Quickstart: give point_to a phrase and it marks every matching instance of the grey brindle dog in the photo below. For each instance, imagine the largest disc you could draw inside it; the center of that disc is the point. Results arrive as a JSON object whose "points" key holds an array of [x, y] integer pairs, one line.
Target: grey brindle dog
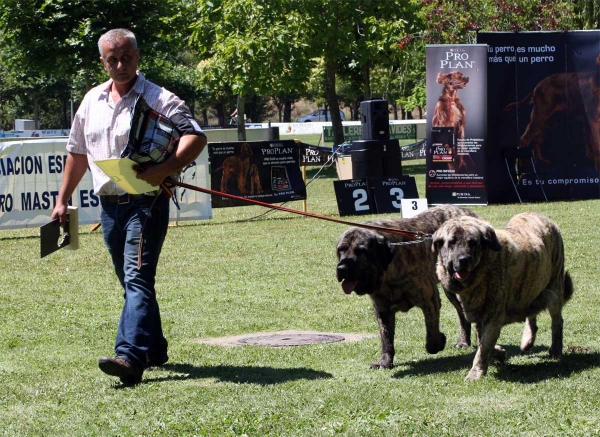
{"points": [[398, 274], [504, 276]]}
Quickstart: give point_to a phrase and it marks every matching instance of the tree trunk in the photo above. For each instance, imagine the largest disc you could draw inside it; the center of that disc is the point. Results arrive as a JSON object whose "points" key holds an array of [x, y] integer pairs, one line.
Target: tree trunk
{"points": [[36, 112], [241, 125], [287, 111], [332, 101], [366, 71], [395, 106], [221, 114], [354, 113]]}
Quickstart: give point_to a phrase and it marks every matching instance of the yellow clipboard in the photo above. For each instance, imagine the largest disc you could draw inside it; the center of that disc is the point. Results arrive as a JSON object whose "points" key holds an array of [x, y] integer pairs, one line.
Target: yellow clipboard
{"points": [[121, 171]]}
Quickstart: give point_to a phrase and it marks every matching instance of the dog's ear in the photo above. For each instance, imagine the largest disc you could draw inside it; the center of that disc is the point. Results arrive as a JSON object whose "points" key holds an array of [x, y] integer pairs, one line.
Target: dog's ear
{"points": [[491, 240], [436, 242], [385, 251], [440, 77]]}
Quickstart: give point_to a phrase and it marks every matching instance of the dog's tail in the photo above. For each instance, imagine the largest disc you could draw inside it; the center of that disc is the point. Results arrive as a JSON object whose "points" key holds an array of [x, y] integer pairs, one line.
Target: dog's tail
{"points": [[568, 288], [519, 103]]}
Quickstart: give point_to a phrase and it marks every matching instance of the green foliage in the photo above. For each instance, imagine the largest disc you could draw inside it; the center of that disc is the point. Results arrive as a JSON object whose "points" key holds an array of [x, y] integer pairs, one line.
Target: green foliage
{"points": [[457, 21], [251, 45], [53, 44], [587, 14], [211, 51]]}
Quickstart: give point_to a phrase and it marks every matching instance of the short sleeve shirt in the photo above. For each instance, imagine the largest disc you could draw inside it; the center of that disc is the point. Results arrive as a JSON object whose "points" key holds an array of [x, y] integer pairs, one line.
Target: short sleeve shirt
{"points": [[101, 128]]}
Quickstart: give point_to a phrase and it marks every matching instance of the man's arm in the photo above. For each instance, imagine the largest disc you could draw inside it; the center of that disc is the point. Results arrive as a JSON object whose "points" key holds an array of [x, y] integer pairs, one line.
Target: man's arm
{"points": [[188, 149], [75, 167]]}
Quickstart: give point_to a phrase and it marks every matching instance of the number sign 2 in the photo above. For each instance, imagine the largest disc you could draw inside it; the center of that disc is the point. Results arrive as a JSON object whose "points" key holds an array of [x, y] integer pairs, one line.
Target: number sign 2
{"points": [[353, 197]]}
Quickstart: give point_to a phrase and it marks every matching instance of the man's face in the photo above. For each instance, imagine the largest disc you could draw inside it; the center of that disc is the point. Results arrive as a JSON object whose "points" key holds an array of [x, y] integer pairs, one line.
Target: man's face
{"points": [[120, 61]]}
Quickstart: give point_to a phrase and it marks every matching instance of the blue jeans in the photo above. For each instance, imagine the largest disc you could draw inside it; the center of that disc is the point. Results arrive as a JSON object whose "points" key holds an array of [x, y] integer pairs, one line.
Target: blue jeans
{"points": [[140, 330]]}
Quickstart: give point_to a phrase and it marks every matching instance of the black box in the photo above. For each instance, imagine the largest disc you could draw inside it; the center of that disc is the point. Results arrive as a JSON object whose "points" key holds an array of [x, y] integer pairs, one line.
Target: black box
{"points": [[375, 120], [376, 158]]}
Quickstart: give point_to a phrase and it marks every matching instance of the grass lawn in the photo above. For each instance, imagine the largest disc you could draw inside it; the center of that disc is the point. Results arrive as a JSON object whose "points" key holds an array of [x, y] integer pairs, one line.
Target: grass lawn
{"points": [[233, 275]]}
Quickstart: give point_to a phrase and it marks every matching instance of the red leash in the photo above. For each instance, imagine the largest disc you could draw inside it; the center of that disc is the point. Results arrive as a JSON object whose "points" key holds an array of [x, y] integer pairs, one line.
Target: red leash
{"points": [[408, 234]]}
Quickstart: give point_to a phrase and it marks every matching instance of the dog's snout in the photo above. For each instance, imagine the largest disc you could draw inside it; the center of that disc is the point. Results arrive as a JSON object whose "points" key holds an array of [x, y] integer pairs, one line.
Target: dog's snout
{"points": [[461, 262], [342, 270]]}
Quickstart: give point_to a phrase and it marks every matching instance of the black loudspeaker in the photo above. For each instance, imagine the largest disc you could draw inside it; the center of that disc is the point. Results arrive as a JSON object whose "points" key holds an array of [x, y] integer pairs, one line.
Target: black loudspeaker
{"points": [[375, 120], [376, 158]]}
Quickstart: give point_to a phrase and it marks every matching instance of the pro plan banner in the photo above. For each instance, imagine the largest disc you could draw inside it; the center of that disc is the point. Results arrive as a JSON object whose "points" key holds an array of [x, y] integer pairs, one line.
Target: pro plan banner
{"points": [[268, 171], [456, 124], [543, 98], [313, 155]]}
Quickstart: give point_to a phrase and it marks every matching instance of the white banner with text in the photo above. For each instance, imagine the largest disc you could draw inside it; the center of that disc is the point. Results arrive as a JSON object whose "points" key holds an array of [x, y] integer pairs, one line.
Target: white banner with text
{"points": [[31, 172]]}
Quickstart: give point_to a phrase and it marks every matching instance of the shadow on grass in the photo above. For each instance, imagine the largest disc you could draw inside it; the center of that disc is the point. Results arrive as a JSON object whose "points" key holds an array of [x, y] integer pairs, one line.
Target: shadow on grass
{"points": [[240, 374], [539, 367]]}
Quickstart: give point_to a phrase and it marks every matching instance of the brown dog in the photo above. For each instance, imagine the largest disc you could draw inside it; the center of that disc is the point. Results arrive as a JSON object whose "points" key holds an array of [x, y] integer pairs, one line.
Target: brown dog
{"points": [[578, 93], [449, 110], [504, 276], [238, 165], [398, 277]]}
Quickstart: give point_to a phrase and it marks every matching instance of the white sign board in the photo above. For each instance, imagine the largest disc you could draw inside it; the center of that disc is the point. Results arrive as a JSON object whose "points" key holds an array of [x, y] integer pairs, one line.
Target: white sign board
{"points": [[412, 207], [31, 172]]}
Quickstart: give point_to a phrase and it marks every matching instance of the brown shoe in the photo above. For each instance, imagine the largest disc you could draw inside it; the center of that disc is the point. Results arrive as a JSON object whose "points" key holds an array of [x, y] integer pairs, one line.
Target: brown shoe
{"points": [[122, 368]]}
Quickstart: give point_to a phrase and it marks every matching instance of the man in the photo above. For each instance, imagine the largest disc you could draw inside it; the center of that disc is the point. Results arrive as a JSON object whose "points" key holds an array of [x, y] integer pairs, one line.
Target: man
{"points": [[100, 130]]}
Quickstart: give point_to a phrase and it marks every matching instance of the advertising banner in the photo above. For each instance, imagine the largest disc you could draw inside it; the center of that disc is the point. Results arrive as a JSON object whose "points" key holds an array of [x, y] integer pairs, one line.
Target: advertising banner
{"points": [[543, 98], [414, 151], [35, 133], [314, 156], [399, 131], [456, 124], [268, 171], [31, 172]]}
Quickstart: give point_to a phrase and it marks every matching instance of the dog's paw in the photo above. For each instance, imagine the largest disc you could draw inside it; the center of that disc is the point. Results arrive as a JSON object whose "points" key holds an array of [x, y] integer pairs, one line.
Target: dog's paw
{"points": [[555, 352], [382, 364], [462, 343], [499, 353], [436, 345], [474, 375], [377, 366]]}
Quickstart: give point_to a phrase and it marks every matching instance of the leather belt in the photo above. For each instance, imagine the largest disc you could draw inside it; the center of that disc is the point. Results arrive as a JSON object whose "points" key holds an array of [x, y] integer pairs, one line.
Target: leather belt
{"points": [[125, 198]]}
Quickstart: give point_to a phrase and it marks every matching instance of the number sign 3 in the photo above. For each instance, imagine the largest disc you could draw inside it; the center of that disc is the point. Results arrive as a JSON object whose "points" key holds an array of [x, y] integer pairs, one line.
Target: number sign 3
{"points": [[389, 192]]}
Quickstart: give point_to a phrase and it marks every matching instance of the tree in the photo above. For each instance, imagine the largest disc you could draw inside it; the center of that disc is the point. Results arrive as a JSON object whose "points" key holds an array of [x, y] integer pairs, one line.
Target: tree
{"points": [[251, 46], [587, 14], [47, 40], [352, 38], [458, 21]]}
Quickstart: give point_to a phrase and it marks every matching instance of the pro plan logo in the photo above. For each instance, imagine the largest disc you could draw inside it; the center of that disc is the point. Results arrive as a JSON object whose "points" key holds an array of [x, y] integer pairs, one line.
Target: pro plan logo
{"points": [[432, 173]]}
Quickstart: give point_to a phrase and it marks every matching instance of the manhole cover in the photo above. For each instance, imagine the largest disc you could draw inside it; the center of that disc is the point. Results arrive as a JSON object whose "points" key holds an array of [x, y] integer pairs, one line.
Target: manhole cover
{"points": [[299, 339]]}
